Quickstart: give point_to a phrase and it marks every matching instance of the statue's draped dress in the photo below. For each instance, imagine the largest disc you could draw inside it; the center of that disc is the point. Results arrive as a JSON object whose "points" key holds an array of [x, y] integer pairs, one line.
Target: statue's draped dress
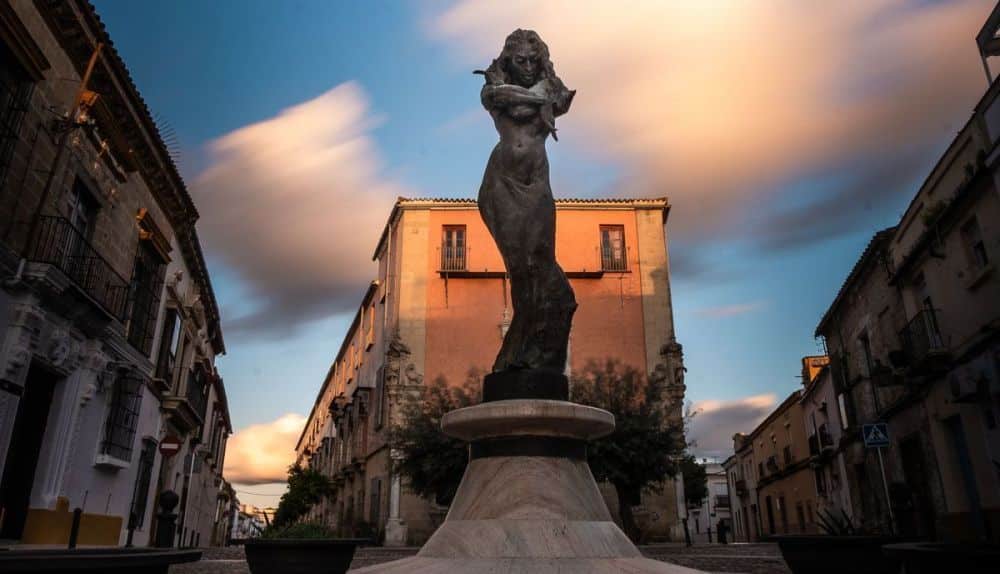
{"points": [[515, 201]]}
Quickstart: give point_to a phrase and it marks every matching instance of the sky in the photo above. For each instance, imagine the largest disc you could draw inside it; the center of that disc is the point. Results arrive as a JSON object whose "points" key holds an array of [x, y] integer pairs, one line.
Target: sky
{"points": [[784, 133]]}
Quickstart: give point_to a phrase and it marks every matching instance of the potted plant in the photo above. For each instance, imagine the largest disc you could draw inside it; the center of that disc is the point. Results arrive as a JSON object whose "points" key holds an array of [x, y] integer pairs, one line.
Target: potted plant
{"points": [[302, 548], [842, 547]]}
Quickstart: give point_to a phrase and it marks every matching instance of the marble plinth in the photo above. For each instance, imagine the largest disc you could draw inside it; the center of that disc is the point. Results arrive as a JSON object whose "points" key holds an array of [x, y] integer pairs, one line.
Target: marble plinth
{"points": [[528, 502]]}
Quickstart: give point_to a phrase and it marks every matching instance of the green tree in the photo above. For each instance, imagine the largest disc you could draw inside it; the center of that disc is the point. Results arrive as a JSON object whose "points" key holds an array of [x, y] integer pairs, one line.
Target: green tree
{"points": [[644, 449], [432, 462], [306, 487], [695, 481]]}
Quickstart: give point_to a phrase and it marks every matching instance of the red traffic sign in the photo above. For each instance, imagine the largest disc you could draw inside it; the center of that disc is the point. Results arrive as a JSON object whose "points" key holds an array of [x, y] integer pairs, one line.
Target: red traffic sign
{"points": [[169, 446]]}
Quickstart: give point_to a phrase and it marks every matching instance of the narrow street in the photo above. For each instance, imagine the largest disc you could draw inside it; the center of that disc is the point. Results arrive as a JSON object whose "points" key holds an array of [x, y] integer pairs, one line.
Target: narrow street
{"points": [[742, 558]]}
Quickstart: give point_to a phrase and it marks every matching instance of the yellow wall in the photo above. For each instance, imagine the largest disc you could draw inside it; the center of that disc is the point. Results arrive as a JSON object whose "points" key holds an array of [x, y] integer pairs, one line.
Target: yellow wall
{"points": [[44, 526]]}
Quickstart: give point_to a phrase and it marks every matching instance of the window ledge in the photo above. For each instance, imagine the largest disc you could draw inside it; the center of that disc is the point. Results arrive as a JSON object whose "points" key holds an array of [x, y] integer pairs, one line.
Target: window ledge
{"points": [[108, 461], [978, 276]]}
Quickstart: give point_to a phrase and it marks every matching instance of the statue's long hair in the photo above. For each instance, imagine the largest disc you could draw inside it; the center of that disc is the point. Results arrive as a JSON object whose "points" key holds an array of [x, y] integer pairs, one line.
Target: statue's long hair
{"points": [[497, 72]]}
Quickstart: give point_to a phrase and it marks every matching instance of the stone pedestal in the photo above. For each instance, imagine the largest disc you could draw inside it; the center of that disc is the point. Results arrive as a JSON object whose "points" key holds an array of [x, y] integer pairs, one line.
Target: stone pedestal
{"points": [[528, 501]]}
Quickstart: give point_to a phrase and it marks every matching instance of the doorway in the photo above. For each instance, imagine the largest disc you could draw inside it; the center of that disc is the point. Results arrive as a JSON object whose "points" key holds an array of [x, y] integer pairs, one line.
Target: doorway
{"points": [[25, 446], [921, 520]]}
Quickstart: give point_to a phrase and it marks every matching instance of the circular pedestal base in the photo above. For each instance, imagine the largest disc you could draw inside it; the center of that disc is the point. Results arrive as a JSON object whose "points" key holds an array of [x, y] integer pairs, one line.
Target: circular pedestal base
{"points": [[528, 502], [422, 565]]}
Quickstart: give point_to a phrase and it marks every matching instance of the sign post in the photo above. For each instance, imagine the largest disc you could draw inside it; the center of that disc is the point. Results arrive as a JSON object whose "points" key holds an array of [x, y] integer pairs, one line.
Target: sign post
{"points": [[876, 435], [169, 446]]}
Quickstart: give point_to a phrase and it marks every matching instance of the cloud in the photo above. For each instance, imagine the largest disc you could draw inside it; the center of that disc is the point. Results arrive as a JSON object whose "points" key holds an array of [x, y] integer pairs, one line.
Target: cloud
{"points": [[733, 310], [294, 204], [722, 105], [262, 453], [715, 423]]}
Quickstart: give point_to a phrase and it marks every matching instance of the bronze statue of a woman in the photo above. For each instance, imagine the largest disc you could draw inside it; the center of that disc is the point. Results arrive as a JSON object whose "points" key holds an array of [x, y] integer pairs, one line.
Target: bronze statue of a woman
{"points": [[524, 96]]}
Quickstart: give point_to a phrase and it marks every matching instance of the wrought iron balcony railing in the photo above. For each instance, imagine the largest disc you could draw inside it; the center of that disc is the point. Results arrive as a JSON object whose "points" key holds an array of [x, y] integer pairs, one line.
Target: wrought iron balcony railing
{"points": [[613, 260], [59, 244], [453, 257], [921, 336]]}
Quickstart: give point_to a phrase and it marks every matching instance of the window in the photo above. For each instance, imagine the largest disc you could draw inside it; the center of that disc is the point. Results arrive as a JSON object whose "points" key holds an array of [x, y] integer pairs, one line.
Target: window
{"points": [[147, 283], [787, 451], [82, 210], [15, 94], [613, 248], [845, 409], [453, 248], [866, 353], [169, 341], [197, 390], [375, 510], [820, 481], [975, 248], [381, 394], [123, 417], [370, 337], [137, 513]]}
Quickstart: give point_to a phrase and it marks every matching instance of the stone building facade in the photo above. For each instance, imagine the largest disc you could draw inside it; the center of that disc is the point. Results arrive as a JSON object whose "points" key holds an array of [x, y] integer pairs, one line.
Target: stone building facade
{"points": [[109, 327], [714, 511], [771, 476], [439, 308], [914, 341]]}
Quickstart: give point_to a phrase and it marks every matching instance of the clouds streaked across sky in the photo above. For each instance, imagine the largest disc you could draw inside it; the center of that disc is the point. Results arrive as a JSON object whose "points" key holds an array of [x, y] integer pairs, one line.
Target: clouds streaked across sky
{"points": [[784, 133]]}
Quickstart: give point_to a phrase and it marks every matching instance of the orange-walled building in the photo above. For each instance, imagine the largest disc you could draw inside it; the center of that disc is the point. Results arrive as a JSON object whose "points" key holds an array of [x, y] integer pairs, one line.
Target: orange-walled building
{"points": [[439, 309]]}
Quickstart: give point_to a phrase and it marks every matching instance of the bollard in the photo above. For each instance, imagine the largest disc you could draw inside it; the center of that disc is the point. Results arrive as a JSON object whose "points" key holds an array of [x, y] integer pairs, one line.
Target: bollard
{"points": [[166, 519], [74, 529]]}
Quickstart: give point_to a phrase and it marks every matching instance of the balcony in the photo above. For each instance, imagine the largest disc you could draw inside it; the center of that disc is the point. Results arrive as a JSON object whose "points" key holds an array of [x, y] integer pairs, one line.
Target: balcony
{"points": [[923, 346], [613, 261], [59, 244], [453, 257], [722, 501], [187, 411]]}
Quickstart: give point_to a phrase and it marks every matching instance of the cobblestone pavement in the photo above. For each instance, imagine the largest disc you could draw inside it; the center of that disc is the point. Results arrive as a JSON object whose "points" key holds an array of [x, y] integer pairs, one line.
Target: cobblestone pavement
{"points": [[744, 558]]}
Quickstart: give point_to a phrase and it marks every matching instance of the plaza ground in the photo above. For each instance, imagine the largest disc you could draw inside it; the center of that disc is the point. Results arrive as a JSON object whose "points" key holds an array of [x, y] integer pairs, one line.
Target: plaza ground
{"points": [[743, 558]]}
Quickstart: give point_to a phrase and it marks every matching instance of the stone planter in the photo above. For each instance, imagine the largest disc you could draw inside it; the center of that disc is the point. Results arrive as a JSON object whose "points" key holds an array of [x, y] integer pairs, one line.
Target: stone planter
{"points": [[295, 556], [926, 557], [95, 560], [821, 554]]}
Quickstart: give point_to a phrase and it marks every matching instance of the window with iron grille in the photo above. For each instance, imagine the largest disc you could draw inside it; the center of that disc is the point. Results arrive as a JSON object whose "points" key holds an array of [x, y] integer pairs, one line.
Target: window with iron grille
{"points": [[15, 94], [123, 417], [453, 248], [137, 513], [613, 248], [147, 283]]}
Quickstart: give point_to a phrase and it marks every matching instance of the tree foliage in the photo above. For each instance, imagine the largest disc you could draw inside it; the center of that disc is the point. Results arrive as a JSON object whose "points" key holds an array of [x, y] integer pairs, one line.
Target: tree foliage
{"points": [[695, 481], [644, 449], [432, 462], [306, 487], [642, 452]]}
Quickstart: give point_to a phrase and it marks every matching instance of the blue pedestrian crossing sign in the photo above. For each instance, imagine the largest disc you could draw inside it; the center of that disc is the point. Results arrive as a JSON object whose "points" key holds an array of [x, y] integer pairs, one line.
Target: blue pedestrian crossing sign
{"points": [[876, 435]]}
